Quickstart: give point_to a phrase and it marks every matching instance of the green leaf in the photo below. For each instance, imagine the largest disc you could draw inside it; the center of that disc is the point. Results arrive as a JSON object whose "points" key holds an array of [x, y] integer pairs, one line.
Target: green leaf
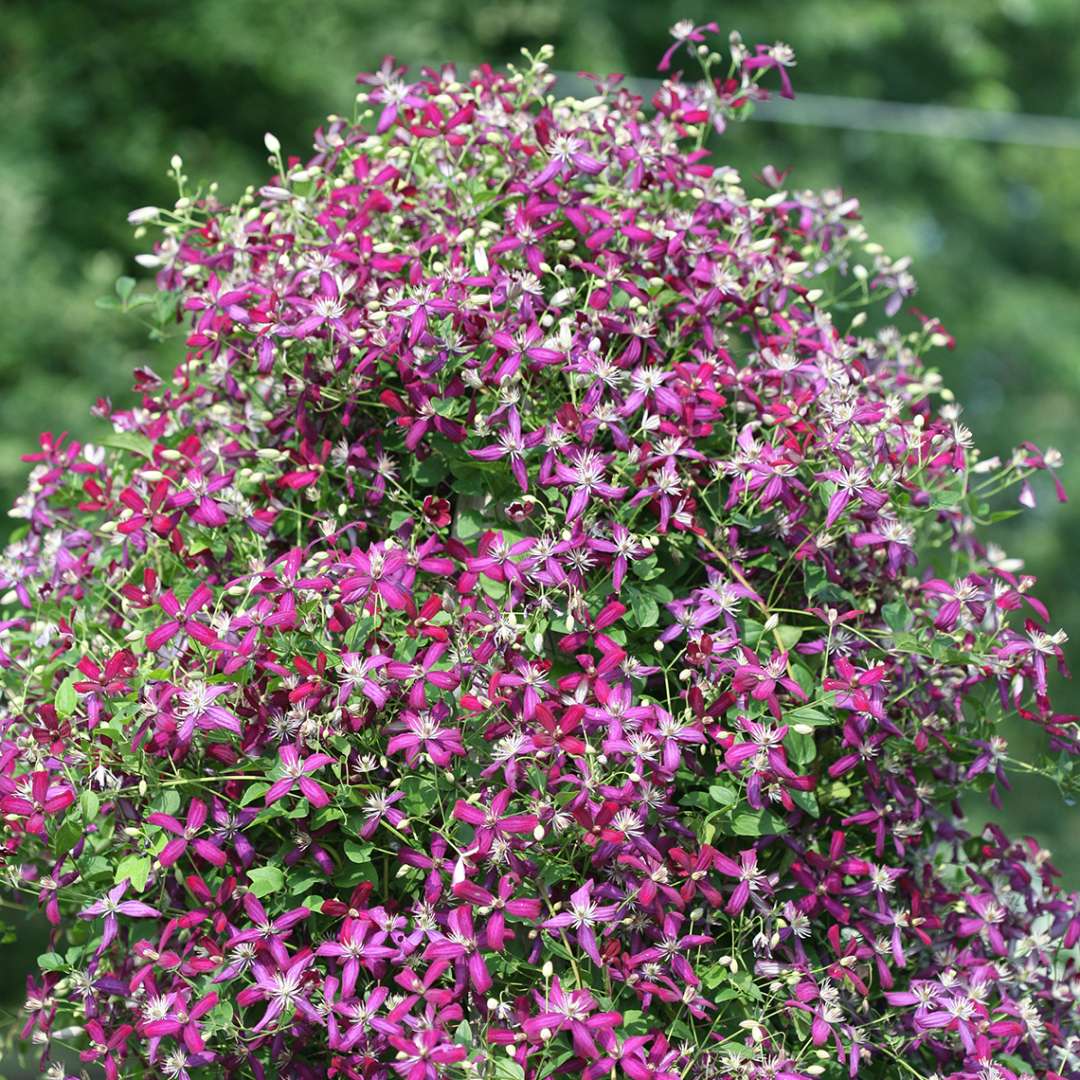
{"points": [[756, 823], [136, 868], [357, 851], [469, 524], [129, 440], [66, 698], [808, 715], [506, 1069], [495, 589], [265, 880], [806, 801], [788, 636], [256, 791], [51, 961], [125, 286], [897, 616], [89, 804], [646, 610], [722, 794], [947, 498], [68, 835], [304, 883], [647, 568], [800, 748], [430, 471], [219, 1017]]}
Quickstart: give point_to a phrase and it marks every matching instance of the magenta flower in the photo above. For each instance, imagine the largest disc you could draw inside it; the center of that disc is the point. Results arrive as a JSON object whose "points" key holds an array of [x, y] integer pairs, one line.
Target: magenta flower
{"points": [[425, 734], [182, 1019], [104, 1046], [493, 821], [685, 32], [510, 436], [533, 680], [268, 934], [295, 771], [422, 1056], [495, 557], [325, 308], [391, 92], [567, 154], [183, 619], [359, 945], [461, 946], [761, 681], [377, 571], [34, 798], [423, 671], [573, 1011], [194, 497], [500, 904], [986, 919], [185, 834]]}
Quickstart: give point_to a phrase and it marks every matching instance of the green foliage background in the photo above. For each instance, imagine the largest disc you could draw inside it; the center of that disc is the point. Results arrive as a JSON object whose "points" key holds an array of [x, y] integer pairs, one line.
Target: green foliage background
{"points": [[96, 97]]}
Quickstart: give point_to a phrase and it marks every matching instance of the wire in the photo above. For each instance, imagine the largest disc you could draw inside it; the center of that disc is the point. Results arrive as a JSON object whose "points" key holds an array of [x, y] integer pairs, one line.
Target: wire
{"points": [[889, 117]]}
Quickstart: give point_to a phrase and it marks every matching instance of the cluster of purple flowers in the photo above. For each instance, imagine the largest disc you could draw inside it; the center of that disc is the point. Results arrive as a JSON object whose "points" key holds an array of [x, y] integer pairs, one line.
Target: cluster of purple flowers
{"points": [[533, 633]]}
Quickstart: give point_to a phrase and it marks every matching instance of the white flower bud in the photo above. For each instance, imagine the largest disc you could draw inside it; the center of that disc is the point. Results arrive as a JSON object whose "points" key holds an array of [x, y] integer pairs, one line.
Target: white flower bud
{"points": [[143, 215]]}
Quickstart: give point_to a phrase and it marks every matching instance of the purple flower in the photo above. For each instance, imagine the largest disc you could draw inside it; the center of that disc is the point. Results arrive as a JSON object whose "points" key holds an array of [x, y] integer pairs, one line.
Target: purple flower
{"points": [[751, 880], [582, 915], [623, 547], [112, 905], [379, 807], [511, 443], [358, 671], [195, 708], [268, 933], [282, 987], [584, 475]]}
